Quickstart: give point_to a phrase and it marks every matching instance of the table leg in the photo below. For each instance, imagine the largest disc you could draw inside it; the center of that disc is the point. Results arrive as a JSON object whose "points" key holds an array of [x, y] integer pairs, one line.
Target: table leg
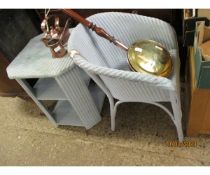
{"points": [[79, 96]]}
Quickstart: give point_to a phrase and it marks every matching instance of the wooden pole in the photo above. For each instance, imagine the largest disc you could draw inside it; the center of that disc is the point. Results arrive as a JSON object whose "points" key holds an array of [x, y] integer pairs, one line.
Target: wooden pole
{"points": [[101, 32]]}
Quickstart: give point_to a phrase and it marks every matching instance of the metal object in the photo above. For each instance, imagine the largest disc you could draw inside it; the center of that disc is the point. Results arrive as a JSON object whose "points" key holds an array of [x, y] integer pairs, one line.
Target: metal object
{"points": [[56, 48], [145, 56], [151, 57], [55, 36], [57, 43], [65, 33]]}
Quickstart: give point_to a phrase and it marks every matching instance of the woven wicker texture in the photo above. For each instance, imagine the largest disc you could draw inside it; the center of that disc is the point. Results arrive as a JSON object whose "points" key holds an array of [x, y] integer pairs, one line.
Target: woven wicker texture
{"points": [[100, 58], [35, 61]]}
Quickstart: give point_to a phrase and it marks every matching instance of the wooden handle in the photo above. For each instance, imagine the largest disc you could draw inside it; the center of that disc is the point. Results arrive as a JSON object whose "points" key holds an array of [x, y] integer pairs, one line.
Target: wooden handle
{"points": [[101, 32], [77, 17]]}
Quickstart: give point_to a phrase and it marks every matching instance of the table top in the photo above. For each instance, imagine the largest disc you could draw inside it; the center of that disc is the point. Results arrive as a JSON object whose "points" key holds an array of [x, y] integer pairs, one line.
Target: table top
{"points": [[35, 61]]}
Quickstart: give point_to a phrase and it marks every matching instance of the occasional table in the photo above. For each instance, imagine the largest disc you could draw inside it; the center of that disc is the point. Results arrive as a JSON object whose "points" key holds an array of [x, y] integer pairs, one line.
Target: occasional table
{"points": [[78, 100]]}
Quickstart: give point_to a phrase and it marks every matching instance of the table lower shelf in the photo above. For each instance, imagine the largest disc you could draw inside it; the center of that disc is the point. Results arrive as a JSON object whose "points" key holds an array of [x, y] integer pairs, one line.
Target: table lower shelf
{"points": [[64, 114], [48, 88]]}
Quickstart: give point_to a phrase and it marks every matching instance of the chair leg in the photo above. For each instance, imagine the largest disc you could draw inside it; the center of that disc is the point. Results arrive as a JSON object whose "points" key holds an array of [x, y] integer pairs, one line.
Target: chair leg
{"points": [[179, 130], [112, 112], [178, 124], [176, 106]]}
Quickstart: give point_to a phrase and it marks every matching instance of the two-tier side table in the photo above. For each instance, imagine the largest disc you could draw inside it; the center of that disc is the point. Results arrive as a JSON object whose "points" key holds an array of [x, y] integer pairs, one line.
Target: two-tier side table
{"points": [[79, 101]]}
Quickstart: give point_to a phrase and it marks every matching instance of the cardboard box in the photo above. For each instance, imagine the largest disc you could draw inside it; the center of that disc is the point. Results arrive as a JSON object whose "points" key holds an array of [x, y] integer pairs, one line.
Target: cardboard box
{"points": [[202, 66], [199, 111], [202, 71]]}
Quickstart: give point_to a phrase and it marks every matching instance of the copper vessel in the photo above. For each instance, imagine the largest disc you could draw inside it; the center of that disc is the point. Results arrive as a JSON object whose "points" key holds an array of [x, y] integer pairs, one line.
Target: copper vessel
{"points": [[55, 37]]}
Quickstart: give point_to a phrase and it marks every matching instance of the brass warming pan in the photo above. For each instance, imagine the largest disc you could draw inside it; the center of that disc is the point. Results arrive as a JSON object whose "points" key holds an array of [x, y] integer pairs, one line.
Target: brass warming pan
{"points": [[146, 56]]}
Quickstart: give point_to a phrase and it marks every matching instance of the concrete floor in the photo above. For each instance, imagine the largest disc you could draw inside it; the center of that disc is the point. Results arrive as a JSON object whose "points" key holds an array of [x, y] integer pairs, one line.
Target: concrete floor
{"points": [[28, 138]]}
